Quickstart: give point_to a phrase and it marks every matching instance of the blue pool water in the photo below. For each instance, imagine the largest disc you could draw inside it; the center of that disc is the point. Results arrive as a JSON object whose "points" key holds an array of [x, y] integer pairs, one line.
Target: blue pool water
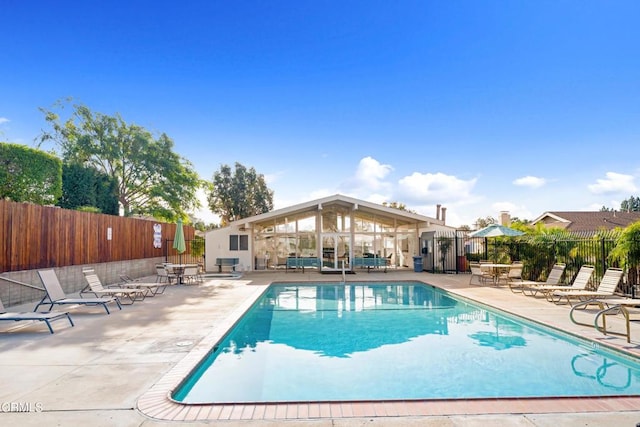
{"points": [[371, 341]]}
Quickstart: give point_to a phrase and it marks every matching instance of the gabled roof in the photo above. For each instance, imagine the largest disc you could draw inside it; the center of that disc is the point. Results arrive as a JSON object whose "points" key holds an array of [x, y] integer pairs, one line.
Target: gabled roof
{"points": [[338, 199], [587, 221]]}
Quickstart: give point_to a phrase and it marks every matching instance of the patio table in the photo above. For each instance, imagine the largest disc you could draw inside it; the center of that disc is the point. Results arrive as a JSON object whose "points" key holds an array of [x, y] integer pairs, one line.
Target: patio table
{"points": [[178, 270], [495, 270]]}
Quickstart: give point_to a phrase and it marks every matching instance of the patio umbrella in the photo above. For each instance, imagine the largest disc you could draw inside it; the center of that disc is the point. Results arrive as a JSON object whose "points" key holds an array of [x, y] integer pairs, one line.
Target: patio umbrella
{"points": [[178, 240], [496, 230]]}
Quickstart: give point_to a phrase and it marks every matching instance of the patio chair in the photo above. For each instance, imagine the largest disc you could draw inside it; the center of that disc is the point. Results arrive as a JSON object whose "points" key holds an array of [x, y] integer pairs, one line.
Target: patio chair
{"points": [[56, 296], [512, 277], [580, 282], [553, 280], [487, 271], [606, 289], [478, 273], [190, 274], [163, 275], [200, 272], [95, 287], [46, 317]]}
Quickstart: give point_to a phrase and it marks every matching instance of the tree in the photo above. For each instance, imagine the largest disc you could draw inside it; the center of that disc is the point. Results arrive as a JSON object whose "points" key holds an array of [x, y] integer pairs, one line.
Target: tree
{"points": [[483, 222], [239, 194], [632, 204], [29, 175], [84, 187], [627, 252], [444, 244], [397, 205], [151, 178]]}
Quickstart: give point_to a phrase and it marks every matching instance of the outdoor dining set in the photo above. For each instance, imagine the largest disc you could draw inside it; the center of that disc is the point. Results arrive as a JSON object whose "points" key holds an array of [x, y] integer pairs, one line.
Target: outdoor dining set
{"points": [[181, 273]]}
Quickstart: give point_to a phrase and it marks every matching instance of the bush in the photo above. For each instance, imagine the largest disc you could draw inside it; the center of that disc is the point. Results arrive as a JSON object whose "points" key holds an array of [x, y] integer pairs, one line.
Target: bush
{"points": [[29, 175]]}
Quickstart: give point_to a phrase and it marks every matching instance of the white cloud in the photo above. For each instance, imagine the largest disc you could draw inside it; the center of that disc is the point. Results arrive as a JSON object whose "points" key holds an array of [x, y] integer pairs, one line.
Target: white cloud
{"points": [[4, 120], [614, 183], [530, 181], [371, 172], [435, 188], [368, 178], [203, 213], [270, 178]]}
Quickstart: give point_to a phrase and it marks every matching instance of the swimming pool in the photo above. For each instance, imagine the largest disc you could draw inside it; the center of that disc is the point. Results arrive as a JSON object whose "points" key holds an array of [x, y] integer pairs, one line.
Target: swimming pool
{"points": [[403, 340]]}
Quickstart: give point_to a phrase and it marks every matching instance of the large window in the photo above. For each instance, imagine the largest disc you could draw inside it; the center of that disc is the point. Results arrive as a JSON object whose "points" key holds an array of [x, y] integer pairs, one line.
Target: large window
{"points": [[336, 219], [334, 233]]}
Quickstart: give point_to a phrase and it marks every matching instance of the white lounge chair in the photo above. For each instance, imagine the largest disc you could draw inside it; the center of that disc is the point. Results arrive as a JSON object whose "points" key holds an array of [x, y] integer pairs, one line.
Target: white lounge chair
{"points": [[553, 281], [56, 296], [46, 317], [154, 288], [95, 287], [580, 283], [606, 289]]}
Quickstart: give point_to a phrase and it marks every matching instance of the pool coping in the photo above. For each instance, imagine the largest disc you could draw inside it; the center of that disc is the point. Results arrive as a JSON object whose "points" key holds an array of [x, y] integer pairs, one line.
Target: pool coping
{"points": [[158, 404]]}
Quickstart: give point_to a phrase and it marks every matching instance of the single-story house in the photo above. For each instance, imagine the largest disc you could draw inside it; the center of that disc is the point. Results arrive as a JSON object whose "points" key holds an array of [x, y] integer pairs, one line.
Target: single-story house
{"points": [[581, 221], [331, 233]]}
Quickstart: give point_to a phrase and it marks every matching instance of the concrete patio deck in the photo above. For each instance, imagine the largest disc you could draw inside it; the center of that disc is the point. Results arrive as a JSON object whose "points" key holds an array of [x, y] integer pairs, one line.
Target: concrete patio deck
{"points": [[114, 369]]}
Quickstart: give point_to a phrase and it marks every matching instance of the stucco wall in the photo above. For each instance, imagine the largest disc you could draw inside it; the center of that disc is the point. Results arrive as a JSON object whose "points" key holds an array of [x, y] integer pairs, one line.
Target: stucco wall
{"points": [[217, 246]]}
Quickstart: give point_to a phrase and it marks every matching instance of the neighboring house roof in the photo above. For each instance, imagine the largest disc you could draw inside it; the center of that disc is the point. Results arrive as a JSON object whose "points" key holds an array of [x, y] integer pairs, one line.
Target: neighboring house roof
{"points": [[372, 208], [587, 221]]}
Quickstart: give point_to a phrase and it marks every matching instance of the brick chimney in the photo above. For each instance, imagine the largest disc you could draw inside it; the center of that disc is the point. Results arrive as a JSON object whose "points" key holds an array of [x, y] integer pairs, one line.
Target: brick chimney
{"points": [[444, 215], [505, 218], [438, 211]]}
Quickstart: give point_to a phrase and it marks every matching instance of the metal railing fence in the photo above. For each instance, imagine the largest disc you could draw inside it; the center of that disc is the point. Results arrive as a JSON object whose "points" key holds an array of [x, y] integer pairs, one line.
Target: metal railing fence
{"points": [[453, 251]]}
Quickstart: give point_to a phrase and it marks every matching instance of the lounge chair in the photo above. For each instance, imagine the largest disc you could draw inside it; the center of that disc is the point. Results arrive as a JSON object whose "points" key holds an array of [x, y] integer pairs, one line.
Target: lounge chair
{"points": [[56, 296], [606, 289], [47, 317], [553, 280], [580, 282], [95, 287], [154, 288]]}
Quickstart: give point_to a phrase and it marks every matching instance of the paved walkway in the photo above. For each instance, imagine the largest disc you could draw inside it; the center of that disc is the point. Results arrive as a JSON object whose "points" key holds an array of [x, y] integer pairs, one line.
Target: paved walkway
{"points": [[103, 370]]}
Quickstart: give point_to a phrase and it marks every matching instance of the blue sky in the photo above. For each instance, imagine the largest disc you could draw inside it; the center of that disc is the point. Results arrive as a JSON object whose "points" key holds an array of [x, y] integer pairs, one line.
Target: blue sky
{"points": [[480, 106]]}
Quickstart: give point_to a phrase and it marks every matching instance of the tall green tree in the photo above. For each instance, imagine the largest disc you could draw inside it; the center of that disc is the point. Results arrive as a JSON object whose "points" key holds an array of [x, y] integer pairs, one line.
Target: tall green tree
{"points": [[632, 204], [239, 194], [627, 252], [85, 186], [151, 178]]}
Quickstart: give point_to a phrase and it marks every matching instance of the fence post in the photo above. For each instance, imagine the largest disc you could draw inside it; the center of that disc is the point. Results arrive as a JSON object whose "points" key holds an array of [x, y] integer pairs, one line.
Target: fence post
{"points": [[455, 251], [602, 249]]}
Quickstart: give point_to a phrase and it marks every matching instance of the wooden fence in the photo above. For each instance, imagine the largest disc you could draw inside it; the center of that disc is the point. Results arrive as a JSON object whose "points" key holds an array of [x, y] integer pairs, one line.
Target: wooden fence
{"points": [[34, 236]]}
